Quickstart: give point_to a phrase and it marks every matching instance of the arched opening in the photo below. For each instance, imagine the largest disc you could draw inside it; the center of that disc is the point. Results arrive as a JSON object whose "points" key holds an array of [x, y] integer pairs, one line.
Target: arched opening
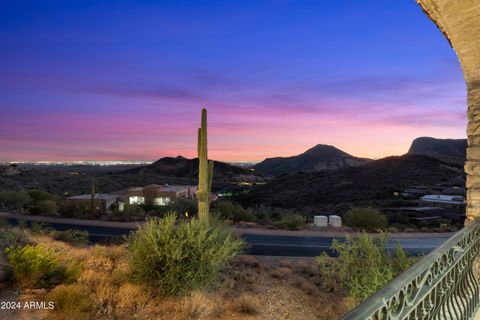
{"points": [[459, 22]]}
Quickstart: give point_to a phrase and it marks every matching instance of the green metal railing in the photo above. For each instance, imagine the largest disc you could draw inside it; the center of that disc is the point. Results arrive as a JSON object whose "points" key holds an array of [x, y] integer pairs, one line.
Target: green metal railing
{"points": [[442, 285]]}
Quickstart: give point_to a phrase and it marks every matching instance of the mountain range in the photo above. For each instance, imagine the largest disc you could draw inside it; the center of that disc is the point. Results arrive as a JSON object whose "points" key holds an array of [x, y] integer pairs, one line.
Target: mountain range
{"points": [[321, 157], [322, 174], [372, 181], [326, 157]]}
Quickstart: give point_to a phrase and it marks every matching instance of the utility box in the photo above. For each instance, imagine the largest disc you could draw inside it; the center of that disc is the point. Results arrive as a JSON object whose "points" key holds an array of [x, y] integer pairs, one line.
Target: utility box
{"points": [[334, 221], [320, 221]]}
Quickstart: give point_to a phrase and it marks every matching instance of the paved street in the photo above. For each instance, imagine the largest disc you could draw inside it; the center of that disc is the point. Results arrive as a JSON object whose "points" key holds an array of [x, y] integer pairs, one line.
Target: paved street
{"points": [[267, 244]]}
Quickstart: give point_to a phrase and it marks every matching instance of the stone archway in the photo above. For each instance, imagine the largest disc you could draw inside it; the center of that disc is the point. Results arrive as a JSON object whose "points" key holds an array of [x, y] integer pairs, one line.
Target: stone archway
{"points": [[459, 20]]}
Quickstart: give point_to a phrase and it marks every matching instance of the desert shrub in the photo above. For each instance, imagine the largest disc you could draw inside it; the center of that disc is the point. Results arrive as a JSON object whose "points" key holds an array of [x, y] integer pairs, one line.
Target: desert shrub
{"points": [[39, 227], [307, 268], [39, 267], [291, 222], [244, 261], [179, 258], [39, 195], [235, 212], [131, 300], [129, 210], [72, 301], [398, 226], [364, 265], [14, 199], [70, 209], [247, 304], [328, 274], [280, 272], [74, 237], [3, 223], [242, 214], [400, 260], [181, 206], [366, 219], [22, 224], [225, 209], [264, 214], [133, 210], [306, 286], [197, 305], [397, 218], [45, 207], [392, 230], [13, 237]]}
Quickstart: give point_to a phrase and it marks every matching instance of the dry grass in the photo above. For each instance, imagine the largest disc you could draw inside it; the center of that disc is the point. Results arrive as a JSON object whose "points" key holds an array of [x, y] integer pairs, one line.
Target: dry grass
{"points": [[280, 273], [200, 305], [247, 304], [72, 302], [248, 289], [244, 261], [306, 286]]}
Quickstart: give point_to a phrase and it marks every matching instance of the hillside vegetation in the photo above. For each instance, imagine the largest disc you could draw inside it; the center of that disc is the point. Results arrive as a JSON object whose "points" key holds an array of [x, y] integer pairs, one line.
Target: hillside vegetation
{"points": [[375, 180]]}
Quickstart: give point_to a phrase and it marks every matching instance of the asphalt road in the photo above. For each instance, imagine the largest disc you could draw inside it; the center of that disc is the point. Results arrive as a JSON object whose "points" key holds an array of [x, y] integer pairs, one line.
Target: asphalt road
{"points": [[271, 245]]}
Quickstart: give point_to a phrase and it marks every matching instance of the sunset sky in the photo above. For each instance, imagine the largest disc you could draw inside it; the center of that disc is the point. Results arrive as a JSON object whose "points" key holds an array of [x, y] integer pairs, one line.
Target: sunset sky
{"points": [[126, 80]]}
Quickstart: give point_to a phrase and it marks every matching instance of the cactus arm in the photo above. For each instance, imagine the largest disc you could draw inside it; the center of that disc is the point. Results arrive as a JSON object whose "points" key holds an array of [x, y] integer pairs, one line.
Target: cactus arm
{"points": [[210, 176]]}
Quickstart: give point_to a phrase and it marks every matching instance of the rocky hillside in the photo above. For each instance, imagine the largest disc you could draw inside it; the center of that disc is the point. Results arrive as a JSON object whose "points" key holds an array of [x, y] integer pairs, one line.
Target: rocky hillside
{"points": [[375, 180], [321, 157], [188, 168], [447, 150]]}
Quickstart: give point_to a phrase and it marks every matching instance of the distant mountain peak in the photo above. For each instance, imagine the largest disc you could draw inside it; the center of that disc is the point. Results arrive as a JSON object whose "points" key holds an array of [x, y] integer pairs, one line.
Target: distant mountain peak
{"points": [[318, 158], [447, 150], [326, 149]]}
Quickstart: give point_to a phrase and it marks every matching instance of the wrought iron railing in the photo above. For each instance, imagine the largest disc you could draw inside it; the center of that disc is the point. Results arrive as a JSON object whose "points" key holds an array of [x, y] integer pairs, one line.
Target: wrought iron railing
{"points": [[442, 285]]}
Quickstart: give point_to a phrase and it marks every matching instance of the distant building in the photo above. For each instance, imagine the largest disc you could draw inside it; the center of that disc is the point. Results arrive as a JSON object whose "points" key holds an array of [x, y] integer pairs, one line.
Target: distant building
{"points": [[415, 192], [453, 202], [102, 201], [160, 195], [427, 213]]}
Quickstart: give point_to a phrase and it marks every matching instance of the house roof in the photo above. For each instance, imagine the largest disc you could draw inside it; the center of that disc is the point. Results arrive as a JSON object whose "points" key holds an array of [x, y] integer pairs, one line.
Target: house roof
{"points": [[97, 196]]}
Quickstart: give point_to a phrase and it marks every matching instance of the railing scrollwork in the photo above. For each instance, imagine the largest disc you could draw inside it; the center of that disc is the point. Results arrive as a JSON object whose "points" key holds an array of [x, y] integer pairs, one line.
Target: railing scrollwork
{"points": [[442, 285]]}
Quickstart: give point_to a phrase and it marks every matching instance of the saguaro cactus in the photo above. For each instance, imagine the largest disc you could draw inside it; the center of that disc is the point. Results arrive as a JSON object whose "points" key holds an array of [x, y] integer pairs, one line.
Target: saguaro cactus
{"points": [[205, 171]]}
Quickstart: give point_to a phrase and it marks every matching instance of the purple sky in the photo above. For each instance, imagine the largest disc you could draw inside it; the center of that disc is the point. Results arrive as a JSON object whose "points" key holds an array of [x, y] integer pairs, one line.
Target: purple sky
{"points": [[109, 80]]}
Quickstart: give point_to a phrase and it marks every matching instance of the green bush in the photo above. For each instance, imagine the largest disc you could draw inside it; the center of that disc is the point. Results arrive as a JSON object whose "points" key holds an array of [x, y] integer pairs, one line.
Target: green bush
{"points": [[365, 219], [129, 210], [13, 237], [46, 207], [39, 227], [364, 265], [14, 199], [39, 267], [181, 206], [39, 195], [179, 258], [3, 223], [231, 211], [291, 222], [70, 209], [74, 237]]}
